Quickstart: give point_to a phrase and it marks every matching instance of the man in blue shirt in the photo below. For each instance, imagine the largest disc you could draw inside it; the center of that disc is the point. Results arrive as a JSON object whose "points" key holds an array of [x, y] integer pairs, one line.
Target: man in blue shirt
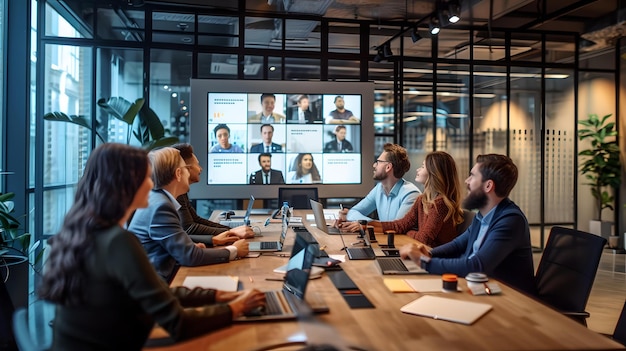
{"points": [[392, 197], [498, 240]]}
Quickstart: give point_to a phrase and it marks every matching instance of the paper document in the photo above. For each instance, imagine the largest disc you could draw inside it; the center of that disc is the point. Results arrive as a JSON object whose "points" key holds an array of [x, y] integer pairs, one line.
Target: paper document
{"points": [[219, 282], [451, 310]]}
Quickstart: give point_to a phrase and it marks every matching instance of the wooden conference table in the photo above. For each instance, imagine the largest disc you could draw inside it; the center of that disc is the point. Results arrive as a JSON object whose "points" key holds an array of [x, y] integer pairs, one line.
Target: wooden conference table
{"points": [[516, 321]]}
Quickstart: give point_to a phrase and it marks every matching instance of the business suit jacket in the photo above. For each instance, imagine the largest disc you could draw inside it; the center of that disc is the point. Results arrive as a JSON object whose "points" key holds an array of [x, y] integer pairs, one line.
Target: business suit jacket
{"points": [[260, 148], [159, 230], [309, 116], [276, 177], [200, 230], [124, 297], [332, 146], [278, 118], [505, 253]]}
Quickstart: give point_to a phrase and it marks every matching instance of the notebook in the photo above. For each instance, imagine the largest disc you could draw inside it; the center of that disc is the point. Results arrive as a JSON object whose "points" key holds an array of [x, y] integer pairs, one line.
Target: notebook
{"points": [[451, 310], [246, 217], [289, 302], [218, 282], [271, 246], [320, 220], [396, 265]]}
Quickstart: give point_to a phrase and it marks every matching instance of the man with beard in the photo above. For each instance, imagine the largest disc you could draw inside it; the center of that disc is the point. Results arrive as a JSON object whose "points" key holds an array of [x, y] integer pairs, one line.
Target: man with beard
{"points": [[392, 197], [498, 240]]}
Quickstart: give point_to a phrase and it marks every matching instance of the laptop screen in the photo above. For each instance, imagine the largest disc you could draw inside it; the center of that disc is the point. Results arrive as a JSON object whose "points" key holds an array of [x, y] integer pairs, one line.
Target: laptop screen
{"points": [[246, 217], [318, 214], [296, 279]]}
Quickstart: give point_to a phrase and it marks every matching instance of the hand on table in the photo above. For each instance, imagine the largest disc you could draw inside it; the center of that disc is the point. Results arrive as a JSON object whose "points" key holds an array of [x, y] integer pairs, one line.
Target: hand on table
{"points": [[247, 301], [242, 232], [242, 247], [225, 238]]}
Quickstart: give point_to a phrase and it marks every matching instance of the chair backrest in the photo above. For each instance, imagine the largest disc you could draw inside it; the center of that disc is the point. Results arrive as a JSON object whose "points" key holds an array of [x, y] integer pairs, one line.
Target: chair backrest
{"points": [[7, 340], [568, 268], [468, 217], [298, 198], [23, 337], [619, 334]]}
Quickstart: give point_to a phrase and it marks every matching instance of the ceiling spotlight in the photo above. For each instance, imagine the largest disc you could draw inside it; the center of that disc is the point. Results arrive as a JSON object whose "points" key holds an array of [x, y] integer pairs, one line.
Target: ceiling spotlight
{"points": [[415, 35], [434, 25], [454, 11], [387, 51]]}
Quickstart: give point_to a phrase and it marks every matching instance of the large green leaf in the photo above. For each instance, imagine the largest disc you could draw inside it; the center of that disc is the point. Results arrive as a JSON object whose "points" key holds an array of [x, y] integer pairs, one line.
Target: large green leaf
{"points": [[165, 141], [121, 108], [150, 119], [74, 119]]}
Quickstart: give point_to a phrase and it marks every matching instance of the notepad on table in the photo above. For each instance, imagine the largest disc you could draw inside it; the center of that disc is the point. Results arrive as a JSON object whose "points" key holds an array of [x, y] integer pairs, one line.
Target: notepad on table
{"points": [[219, 282], [464, 312], [413, 285]]}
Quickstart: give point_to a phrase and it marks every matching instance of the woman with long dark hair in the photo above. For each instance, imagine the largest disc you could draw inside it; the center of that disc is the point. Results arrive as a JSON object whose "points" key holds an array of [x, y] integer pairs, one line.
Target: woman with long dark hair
{"points": [[306, 171], [107, 293]]}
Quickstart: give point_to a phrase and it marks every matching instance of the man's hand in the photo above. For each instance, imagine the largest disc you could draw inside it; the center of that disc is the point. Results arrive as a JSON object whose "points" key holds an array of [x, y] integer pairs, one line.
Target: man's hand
{"points": [[414, 251], [225, 296], [242, 232], [350, 226], [225, 238], [342, 216], [200, 245], [242, 247], [247, 301]]}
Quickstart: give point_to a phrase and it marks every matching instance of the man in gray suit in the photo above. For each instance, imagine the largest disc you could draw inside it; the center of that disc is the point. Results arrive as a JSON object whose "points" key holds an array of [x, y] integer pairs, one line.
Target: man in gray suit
{"points": [[158, 226]]}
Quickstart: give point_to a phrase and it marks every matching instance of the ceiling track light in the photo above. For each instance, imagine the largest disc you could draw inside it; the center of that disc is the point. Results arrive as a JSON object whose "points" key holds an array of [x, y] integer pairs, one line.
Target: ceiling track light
{"points": [[387, 51], [415, 35], [454, 11], [434, 25], [379, 55]]}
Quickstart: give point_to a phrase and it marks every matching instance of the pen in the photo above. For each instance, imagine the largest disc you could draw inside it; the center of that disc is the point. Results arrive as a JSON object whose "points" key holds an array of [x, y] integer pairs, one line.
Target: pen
{"points": [[251, 280], [341, 207], [323, 248], [275, 279]]}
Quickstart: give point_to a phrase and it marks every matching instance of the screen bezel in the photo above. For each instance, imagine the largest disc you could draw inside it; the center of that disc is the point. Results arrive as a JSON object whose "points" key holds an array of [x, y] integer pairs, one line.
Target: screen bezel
{"points": [[200, 88]]}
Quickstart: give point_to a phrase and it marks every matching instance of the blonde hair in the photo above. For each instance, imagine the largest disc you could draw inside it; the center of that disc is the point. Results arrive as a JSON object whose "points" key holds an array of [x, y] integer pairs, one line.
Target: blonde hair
{"points": [[164, 162], [443, 180]]}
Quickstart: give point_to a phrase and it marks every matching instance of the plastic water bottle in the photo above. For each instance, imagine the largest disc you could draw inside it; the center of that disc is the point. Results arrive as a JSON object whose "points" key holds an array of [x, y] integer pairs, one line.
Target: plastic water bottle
{"points": [[285, 210]]}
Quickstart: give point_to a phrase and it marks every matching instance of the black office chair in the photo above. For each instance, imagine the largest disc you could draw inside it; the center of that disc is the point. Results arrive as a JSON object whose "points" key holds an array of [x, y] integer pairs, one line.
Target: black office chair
{"points": [[619, 334], [567, 270], [468, 217], [298, 198]]}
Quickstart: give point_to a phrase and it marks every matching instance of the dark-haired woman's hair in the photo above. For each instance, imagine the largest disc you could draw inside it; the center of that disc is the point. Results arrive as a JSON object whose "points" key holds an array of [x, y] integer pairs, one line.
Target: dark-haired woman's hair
{"points": [[315, 173], [113, 174]]}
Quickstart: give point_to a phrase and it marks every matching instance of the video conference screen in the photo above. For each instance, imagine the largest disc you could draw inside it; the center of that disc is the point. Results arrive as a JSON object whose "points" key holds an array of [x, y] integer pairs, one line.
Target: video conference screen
{"points": [[280, 133]]}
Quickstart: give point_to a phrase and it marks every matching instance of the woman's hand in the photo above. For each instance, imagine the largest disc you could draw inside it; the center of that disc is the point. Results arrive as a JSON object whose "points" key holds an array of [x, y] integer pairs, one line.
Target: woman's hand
{"points": [[414, 251], [247, 301]]}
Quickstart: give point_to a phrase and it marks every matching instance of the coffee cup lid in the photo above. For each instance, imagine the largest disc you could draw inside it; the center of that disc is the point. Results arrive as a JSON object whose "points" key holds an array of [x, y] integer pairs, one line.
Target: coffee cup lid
{"points": [[476, 277]]}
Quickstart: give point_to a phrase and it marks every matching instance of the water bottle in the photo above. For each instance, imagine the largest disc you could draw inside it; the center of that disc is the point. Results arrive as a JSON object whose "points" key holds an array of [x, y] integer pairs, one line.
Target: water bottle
{"points": [[285, 210]]}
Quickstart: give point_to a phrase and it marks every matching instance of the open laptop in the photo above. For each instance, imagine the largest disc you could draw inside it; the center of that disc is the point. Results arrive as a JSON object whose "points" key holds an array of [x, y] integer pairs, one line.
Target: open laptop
{"points": [[396, 265], [246, 217], [289, 302], [361, 253], [320, 220], [271, 246]]}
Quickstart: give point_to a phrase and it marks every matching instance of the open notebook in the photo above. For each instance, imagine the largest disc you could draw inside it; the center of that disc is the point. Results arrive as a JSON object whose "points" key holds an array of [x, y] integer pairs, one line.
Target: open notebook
{"points": [[464, 312]]}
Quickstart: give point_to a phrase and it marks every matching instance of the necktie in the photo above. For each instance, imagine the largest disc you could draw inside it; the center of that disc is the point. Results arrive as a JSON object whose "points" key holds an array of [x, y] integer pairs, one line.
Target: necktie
{"points": [[267, 149], [267, 179]]}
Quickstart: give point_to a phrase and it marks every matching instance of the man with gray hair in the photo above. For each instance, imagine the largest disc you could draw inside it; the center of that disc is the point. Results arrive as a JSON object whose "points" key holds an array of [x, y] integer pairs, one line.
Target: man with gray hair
{"points": [[158, 226]]}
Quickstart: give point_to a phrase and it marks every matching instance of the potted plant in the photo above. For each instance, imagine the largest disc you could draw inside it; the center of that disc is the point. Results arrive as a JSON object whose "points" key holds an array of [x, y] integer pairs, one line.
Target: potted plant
{"points": [[15, 249], [148, 130], [601, 167]]}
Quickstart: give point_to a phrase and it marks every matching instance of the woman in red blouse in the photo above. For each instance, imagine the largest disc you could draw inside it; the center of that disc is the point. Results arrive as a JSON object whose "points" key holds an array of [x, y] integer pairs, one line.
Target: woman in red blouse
{"points": [[435, 214]]}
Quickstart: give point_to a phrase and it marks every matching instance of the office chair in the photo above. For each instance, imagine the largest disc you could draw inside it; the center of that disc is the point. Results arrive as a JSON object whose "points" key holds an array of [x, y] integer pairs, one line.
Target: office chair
{"points": [[298, 198], [619, 334], [567, 270], [468, 217], [23, 337]]}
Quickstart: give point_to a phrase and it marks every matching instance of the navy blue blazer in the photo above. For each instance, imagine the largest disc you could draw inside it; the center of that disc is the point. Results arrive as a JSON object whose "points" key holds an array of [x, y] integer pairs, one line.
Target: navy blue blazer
{"points": [[505, 254], [260, 148]]}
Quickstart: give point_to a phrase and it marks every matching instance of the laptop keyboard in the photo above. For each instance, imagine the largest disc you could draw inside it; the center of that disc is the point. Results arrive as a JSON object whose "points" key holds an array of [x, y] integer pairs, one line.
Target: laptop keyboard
{"points": [[269, 245], [272, 305], [393, 264]]}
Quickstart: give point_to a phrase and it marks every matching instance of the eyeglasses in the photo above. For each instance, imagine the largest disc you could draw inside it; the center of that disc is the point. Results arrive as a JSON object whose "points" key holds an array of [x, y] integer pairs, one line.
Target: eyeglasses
{"points": [[378, 161]]}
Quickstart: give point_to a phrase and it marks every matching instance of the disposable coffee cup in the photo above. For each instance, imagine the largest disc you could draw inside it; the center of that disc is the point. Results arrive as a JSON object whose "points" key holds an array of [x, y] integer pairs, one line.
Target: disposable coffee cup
{"points": [[450, 282]]}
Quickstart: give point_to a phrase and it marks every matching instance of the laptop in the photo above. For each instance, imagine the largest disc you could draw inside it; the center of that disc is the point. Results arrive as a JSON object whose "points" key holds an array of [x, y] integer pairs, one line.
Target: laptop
{"points": [[271, 246], [289, 302], [320, 220], [396, 265], [246, 217], [361, 253]]}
